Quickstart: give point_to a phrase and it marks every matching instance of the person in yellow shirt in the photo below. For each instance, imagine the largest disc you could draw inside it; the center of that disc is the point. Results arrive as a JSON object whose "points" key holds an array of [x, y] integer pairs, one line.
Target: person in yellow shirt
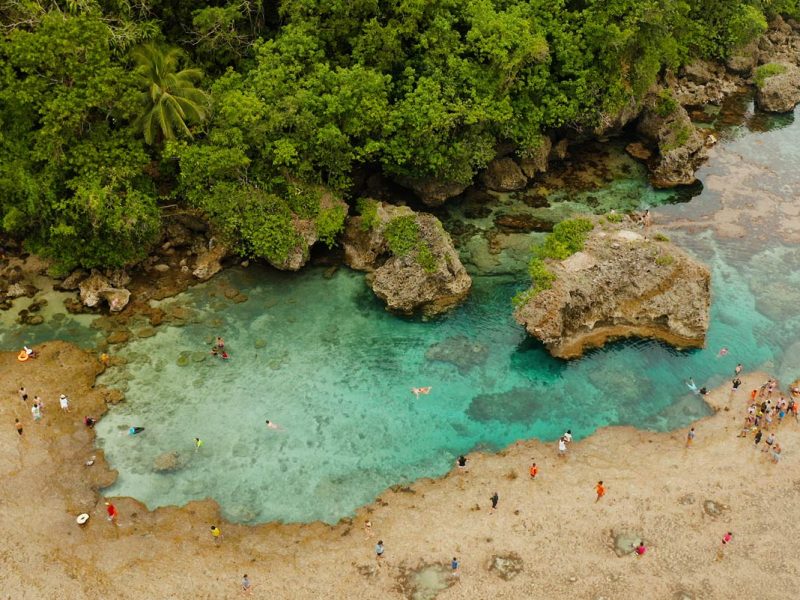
{"points": [[216, 533]]}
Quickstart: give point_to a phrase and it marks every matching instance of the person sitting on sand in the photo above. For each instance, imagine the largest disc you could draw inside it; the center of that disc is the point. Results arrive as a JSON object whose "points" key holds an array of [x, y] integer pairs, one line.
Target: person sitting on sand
{"points": [[640, 549], [421, 390]]}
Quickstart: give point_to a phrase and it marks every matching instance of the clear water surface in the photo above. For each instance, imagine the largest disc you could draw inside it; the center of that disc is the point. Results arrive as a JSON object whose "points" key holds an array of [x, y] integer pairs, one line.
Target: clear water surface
{"points": [[321, 357]]}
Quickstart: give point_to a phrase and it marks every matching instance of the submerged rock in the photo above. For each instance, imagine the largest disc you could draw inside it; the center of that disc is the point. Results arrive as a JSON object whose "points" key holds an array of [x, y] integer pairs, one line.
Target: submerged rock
{"points": [[427, 277], [166, 462], [461, 351], [620, 285]]}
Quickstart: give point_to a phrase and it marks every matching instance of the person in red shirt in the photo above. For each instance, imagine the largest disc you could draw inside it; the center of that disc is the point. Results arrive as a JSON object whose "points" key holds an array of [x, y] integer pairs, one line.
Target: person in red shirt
{"points": [[112, 511], [534, 470]]}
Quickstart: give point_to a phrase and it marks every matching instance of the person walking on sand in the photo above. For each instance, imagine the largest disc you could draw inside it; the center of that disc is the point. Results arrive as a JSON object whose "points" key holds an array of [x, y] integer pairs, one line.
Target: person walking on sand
{"points": [[454, 567], [768, 442], [216, 534], [461, 463], [197, 444], [601, 491], [246, 586], [562, 447], [726, 539], [690, 437], [757, 439], [18, 426], [379, 550], [776, 453], [494, 499], [368, 528], [64, 402], [23, 394], [534, 471], [36, 411], [112, 512]]}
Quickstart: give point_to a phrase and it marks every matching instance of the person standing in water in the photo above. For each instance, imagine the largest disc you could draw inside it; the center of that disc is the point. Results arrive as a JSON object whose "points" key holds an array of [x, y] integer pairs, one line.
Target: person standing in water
{"points": [[197, 444]]}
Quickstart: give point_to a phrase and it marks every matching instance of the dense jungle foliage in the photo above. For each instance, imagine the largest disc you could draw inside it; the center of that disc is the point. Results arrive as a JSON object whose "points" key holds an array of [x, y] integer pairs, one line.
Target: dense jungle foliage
{"points": [[111, 110]]}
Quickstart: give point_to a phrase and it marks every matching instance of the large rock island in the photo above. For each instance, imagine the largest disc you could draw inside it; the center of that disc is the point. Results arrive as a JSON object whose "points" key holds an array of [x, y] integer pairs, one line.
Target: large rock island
{"points": [[620, 284], [409, 257]]}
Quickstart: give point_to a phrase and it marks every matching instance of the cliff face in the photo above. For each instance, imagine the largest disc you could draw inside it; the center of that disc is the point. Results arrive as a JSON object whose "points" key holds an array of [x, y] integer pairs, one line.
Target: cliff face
{"points": [[621, 285], [428, 277]]}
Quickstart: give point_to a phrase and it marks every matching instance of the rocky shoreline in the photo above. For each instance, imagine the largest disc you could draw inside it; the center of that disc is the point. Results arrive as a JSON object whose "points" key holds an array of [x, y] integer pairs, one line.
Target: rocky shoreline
{"points": [[548, 537]]}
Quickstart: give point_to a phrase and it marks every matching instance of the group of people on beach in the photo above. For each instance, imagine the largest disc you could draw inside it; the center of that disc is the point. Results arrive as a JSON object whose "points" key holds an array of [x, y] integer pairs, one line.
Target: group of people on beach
{"points": [[765, 413], [37, 408]]}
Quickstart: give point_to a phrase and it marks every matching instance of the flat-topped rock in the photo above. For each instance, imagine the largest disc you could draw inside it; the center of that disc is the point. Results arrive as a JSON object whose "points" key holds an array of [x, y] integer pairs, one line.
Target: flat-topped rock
{"points": [[620, 285]]}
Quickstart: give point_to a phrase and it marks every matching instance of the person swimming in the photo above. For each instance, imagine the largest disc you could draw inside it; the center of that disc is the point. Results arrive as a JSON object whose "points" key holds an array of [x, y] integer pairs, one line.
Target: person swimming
{"points": [[272, 425], [723, 351], [692, 386], [421, 390], [135, 430]]}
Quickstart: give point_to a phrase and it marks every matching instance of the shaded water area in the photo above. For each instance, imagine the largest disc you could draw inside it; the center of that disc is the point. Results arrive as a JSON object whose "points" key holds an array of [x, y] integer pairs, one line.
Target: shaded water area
{"points": [[320, 356]]}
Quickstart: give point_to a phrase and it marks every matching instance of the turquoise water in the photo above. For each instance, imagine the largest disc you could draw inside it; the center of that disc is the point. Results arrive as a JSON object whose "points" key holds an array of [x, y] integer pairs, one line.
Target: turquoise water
{"points": [[320, 356]]}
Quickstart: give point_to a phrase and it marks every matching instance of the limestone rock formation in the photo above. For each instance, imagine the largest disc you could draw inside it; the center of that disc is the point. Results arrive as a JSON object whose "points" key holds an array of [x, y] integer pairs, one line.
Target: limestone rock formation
{"points": [[308, 233], [780, 93], [428, 276], [504, 175], [432, 191], [209, 262], [703, 82], [620, 285], [536, 162], [681, 148], [96, 288]]}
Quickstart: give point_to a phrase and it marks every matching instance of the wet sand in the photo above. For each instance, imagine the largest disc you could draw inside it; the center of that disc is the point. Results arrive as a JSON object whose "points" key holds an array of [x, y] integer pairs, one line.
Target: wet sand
{"points": [[553, 539]]}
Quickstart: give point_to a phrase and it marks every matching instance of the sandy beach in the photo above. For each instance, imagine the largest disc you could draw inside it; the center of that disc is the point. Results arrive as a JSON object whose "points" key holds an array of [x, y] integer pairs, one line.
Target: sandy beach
{"points": [[548, 538]]}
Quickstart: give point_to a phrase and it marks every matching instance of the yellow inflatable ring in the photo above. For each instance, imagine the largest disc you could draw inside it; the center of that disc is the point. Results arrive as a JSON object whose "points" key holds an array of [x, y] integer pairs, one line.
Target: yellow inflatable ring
{"points": [[22, 356]]}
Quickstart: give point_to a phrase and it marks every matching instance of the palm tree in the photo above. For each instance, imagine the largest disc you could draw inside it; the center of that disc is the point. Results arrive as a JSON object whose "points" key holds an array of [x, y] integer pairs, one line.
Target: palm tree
{"points": [[171, 98]]}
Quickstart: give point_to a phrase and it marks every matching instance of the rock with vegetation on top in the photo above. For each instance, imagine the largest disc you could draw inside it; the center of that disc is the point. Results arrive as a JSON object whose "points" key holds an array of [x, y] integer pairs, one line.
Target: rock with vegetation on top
{"points": [[619, 285], [411, 260], [309, 231], [778, 87], [504, 175], [681, 148]]}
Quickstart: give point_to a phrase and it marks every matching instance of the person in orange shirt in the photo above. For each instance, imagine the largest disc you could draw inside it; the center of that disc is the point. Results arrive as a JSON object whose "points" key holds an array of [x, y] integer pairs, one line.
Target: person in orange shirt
{"points": [[534, 470], [601, 491]]}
